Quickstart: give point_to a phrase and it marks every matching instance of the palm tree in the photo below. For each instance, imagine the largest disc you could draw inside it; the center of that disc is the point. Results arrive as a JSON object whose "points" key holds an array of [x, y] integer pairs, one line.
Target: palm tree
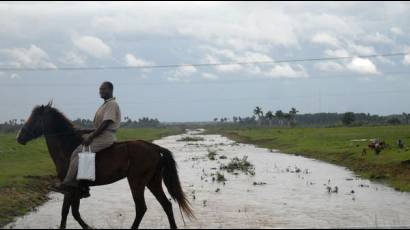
{"points": [[287, 117], [258, 112], [127, 121], [292, 116], [406, 117], [293, 111], [235, 119], [348, 118], [269, 115], [280, 115]]}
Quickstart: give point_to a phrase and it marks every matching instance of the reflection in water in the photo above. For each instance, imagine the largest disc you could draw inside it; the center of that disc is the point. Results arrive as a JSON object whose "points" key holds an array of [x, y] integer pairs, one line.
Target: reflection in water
{"points": [[286, 192]]}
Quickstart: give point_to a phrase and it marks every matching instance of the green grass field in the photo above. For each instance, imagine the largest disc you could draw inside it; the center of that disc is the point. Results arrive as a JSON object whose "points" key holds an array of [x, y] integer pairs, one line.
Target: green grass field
{"points": [[25, 171], [336, 145]]}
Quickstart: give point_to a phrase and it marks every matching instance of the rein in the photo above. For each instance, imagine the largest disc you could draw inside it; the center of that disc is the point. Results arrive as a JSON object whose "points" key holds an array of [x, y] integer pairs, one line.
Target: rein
{"points": [[60, 134]]}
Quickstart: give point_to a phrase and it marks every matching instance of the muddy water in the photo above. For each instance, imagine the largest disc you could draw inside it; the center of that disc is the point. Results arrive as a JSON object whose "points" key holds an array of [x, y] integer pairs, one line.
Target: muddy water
{"points": [[295, 194]]}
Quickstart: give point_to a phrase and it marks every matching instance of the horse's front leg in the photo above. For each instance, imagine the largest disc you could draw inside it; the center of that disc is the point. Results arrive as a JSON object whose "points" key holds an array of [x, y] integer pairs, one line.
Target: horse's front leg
{"points": [[75, 210], [64, 212]]}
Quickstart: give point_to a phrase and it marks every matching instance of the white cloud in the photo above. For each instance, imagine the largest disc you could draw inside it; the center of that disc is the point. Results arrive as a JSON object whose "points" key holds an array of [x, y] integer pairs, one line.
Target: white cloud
{"points": [[263, 26], [361, 50], [92, 46], [241, 26], [209, 76], [269, 70], [330, 21], [385, 60], [15, 76], [329, 66], [188, 69], [396, 30], [362, 66], [256, 70], [9, 63], [235, 56], [337, 53], [242, 44], [286, 71], [254, 57], [406, 59], [33, 57], [378, 38], [131, 60], [183, 73], [72, 58], [220, 23], [324, 38], [228, 68], [230, 56], [248, 30], [225, 54], [210, 59]]}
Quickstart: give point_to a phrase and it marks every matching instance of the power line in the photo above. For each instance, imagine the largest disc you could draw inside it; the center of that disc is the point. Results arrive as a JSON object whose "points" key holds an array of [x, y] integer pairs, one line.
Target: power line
{"points": [[200, 64]]}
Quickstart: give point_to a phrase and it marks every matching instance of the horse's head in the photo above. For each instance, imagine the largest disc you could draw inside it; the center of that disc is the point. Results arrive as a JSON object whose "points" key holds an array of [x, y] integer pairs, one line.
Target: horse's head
{"points": [[34, 127]]}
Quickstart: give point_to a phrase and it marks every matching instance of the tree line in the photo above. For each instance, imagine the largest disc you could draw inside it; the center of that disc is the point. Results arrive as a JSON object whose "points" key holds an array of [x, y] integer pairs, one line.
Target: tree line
{"points": [[292, 118], [14, 125], [258, 118]]}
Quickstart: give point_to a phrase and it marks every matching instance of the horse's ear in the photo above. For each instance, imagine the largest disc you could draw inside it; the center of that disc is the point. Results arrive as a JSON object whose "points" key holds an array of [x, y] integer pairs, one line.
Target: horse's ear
{"points": [[50, 103], [46, 108]]}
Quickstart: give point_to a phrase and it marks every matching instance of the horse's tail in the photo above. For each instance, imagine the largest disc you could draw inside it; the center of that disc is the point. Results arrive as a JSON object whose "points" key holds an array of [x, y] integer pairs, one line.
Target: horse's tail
{"points": [[172, 182]]}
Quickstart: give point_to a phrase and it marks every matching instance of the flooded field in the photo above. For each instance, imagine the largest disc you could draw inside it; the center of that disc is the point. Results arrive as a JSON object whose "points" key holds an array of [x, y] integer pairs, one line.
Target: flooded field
{"points": [[272, 190]]}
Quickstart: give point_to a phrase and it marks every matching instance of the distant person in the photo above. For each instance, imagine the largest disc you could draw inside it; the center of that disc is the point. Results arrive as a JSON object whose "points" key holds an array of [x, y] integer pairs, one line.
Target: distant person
{"points": [[400, 144], [106, 121]]}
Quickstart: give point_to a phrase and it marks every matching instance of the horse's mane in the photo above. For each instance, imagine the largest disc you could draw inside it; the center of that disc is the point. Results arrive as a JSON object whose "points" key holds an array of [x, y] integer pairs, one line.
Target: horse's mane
{"points": [[61, 122]]}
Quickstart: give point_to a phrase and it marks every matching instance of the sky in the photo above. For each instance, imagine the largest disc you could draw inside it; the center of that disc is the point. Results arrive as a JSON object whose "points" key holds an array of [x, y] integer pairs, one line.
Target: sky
{"points": [[60, 35]]}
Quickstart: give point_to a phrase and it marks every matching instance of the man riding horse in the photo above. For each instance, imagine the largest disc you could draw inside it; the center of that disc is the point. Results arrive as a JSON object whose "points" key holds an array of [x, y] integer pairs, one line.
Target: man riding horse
{"points": [[144, 164], [106, 121]]}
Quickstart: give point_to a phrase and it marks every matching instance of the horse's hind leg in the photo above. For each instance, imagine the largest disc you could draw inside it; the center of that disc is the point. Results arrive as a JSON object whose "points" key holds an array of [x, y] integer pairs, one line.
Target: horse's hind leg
{"points": [[75, 209], [137, 189], [64, 212], [155, 186]]}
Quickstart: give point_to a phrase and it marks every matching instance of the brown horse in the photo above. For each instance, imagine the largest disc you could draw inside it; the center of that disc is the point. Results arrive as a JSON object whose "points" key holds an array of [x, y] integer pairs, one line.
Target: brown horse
{"points": [[144, 164]]}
